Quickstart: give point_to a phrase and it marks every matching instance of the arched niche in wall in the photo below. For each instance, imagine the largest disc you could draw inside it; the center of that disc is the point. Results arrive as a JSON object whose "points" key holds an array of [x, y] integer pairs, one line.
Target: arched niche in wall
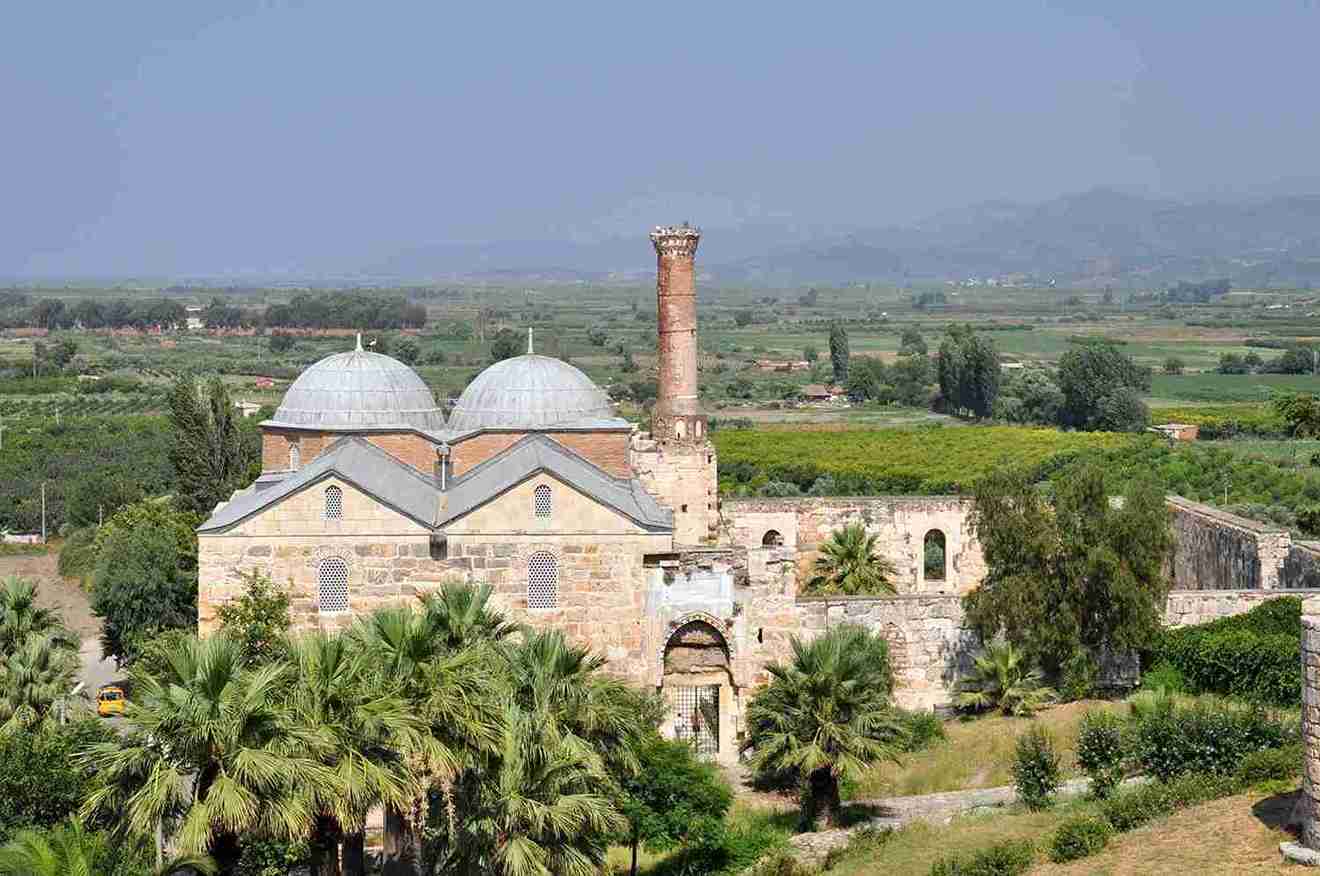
{"points": [[934, 556]]}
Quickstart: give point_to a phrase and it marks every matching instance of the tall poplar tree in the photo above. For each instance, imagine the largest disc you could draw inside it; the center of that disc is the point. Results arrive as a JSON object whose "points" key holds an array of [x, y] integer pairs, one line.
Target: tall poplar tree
{"points": [[210, 456], [839, 351]]}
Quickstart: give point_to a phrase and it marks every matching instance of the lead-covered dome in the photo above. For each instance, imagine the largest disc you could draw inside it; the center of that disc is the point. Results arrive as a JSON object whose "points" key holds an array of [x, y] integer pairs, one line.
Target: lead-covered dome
{"points": [[359, 391], [530, 392]]}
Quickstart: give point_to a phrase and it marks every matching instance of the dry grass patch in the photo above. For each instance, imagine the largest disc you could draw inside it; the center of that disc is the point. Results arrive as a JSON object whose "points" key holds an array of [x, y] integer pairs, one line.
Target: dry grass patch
{"points": [[978, 753], [1234, 835]]}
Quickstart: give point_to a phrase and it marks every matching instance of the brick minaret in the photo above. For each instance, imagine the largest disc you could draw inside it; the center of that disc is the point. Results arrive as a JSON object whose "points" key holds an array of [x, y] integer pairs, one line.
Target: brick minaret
{"points": [[676, 462], [677, 416]]}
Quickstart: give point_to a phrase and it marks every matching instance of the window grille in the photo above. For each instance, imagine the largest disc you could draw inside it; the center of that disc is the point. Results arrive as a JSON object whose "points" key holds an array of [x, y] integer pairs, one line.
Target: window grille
{"points": [[332, 580], [542, 580], [294, 457], [541, 500], [334, 503]]}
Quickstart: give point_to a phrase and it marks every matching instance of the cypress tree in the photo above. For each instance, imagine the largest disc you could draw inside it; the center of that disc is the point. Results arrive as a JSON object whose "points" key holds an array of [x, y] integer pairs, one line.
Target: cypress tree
{"points": [[839, 351]]}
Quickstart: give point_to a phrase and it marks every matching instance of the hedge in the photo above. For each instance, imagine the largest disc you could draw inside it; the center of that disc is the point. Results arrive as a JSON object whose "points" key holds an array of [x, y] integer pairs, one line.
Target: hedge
{"points": [[1255, 656]]}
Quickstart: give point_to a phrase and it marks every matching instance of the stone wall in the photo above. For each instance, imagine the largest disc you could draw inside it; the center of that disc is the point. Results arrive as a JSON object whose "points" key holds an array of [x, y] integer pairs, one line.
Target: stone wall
{"points": [[1215, 550], [1309, 804], [1188, 607], [683, 478], [901, 522], [1301, 569]]}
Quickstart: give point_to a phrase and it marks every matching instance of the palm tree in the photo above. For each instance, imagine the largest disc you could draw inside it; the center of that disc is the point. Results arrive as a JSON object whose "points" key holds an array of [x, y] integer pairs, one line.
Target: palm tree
{"points": [[848, 563], [20, 616], [825, 716], [361, 728], [1003, 678], [210, 747], [462, 616], [535, 811], [456, 692], [70, 850], [35, 680]]}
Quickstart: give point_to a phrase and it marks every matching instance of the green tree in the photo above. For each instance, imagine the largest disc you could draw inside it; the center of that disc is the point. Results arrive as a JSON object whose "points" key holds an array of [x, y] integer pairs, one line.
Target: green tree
{"points": [[825, 717], [1101, 388], [38, 659], [208, 750], [839, 351], [743, 318], [675, 800], [408, 351], [911, 378], [1004, 678], [1174, 365], [505, 345], [210, 454], [911, 342], [71, 850], [281, 342], [967, 368], [810, 354], [143, 584], [1065, 582], [849, 563], [1301, 411], [258, 619], [40, 785]]}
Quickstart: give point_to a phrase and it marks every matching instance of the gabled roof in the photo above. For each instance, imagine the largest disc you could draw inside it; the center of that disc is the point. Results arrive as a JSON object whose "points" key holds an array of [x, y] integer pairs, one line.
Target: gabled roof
{"points": [[354, 460], [536, 453]]}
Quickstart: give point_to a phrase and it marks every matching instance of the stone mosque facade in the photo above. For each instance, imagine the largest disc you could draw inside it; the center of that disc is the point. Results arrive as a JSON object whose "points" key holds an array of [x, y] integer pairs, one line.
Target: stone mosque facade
{"points": [[579, 521]]}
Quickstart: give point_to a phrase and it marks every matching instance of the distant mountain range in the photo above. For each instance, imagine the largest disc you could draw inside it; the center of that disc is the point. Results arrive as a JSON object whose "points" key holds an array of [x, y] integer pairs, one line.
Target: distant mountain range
{"points": [[1102, 236]]}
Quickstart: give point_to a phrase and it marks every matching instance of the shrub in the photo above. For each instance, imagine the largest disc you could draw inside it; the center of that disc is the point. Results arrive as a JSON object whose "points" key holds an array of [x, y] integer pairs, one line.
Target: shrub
{"points": [[1133, 807], [1272, 764], [1004, 678], [923, 729], [1210, 738], [1079, 838], [1008, 858], [1100, 751], [40, 786], [1255, 656], [1164, 676], [1036, 768], [267, 857]]}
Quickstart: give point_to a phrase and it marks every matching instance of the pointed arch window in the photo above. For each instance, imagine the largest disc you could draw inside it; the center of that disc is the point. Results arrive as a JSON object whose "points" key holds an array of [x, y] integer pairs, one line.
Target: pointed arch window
{"points": [[542, 580]]}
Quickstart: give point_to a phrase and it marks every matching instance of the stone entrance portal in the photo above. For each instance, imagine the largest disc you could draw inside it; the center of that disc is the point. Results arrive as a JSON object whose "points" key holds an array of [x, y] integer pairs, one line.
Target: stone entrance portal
{"points": [[698, 683]]}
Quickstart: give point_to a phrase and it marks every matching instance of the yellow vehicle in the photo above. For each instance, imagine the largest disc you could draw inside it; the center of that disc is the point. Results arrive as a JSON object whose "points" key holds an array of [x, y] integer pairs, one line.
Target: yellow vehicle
{"points": [[110, 701]]}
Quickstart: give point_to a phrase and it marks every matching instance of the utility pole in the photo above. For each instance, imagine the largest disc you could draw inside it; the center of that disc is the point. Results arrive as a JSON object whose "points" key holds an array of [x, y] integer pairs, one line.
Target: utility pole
{"points": [[43, 512], [2, 436]]}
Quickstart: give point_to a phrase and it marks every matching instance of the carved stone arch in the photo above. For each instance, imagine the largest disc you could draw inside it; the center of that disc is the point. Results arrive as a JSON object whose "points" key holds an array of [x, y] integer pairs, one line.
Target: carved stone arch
{"points": [[323, 552], [694, 623], [899, 659]]}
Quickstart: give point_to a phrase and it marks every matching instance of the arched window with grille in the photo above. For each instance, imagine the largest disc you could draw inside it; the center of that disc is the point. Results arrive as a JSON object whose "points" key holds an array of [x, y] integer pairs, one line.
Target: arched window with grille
{"points": [[541, 501], [295, 458], [332, 585], [334, 503], [542, 580]]}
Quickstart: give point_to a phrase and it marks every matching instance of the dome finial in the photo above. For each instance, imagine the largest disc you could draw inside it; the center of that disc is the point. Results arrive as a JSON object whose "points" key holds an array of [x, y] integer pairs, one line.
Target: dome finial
{"points": [[359, 342], [529, 340]]}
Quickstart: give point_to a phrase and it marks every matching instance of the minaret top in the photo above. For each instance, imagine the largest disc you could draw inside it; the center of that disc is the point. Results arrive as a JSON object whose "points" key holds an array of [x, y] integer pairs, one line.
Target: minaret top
{"points": [[529, 340], [359, 342], [680, 240]]}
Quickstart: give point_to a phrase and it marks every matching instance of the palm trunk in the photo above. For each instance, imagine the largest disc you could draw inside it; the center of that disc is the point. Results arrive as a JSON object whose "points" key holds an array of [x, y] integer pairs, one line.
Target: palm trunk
{"points": [[226, 851], [822, 806], [395, 862], [325, 847], [635, 840], [355, 854]]}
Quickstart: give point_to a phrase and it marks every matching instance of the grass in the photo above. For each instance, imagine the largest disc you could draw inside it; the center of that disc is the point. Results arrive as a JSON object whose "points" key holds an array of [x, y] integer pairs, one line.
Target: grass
{"points": [[1229, 387], [1297, 452], [1239, 834], [977, 754]]}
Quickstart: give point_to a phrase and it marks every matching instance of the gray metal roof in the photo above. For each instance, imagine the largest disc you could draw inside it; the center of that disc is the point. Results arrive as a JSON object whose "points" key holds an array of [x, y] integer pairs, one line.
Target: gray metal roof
{"points": [[532, 392], [355, 460], [539, 453], [359, 390]]}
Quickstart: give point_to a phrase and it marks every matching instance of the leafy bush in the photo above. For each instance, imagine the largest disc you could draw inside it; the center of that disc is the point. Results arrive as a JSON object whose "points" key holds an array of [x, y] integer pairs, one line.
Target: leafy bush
{"points": [[1255, 656], [1008, 858], [1101, 751], [923, 729], [1079, 838], [1272, 764], [1163, 676], [1210, 738], [39, 784], [1036, 768], [267, 857]]}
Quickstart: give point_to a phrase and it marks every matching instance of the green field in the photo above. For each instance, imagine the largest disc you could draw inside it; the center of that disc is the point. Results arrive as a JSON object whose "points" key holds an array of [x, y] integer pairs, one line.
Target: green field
{"points": [[878, 461], [1229, 387]]}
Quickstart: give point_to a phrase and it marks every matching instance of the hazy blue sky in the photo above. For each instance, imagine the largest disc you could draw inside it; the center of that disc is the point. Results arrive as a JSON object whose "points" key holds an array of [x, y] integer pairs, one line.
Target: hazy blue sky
{"points": [[157, 137]]}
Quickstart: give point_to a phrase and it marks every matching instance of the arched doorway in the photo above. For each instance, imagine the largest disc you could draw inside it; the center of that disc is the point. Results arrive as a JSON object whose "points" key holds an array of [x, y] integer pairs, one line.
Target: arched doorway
{"points": [[772, 538], [697, 680]]}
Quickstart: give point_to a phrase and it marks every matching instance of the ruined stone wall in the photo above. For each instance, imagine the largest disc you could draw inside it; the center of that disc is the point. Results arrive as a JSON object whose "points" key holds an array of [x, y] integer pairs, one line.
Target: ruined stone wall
{"points": [[1215, 550], [681, 477], [1188, 607], [901, 522], [1309, 804], [1301, 569]]}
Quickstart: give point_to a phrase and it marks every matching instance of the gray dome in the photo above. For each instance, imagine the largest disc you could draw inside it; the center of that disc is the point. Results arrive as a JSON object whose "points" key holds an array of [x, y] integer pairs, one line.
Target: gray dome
{"points": [[530, 392], [358, 391]]}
